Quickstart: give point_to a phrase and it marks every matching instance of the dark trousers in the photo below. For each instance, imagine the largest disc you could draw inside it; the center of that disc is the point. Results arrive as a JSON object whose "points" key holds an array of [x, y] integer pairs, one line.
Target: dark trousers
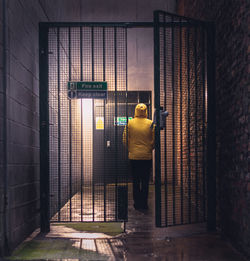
{"points": [[140, 172]]}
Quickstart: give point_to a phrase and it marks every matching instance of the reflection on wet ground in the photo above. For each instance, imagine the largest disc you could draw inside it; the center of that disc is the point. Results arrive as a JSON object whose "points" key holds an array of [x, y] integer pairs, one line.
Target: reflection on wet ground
{"points": [[141, 241], [88, 205]]}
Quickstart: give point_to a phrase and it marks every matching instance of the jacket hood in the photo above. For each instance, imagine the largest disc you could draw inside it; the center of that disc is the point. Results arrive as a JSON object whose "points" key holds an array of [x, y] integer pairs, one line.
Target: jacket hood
{"points": [[141, 110]]}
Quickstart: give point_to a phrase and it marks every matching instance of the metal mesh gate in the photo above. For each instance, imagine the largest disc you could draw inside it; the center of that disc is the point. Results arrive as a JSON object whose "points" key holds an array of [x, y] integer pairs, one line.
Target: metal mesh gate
{"points": [[181, 89], [87, 161], [83, 164]]}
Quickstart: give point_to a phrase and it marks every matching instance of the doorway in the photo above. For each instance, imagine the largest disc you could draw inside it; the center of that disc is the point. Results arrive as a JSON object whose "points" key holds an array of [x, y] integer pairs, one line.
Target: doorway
{"points": [[84, 166]]}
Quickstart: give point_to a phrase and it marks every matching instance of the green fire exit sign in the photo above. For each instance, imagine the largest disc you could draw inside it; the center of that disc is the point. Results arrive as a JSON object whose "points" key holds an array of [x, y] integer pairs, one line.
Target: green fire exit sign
{"points": [[121, 121], [87, 90]]}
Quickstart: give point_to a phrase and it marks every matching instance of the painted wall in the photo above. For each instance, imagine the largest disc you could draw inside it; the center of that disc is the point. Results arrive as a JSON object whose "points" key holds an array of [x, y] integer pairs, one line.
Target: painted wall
{"points": [[23, 17]]}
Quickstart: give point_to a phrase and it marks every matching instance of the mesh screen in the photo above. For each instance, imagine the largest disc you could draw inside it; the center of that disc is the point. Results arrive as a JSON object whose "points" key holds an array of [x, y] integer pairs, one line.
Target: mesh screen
{"points": [[88, 163], [183, 142]]}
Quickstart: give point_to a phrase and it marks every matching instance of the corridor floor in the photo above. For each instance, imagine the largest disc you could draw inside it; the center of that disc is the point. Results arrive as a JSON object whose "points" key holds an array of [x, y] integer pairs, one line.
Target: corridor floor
{"points": [[142, 241]]}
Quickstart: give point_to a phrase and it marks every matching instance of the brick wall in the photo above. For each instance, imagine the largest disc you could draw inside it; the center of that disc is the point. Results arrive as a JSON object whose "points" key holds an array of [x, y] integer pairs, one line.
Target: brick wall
{"points": [[232, 90]]}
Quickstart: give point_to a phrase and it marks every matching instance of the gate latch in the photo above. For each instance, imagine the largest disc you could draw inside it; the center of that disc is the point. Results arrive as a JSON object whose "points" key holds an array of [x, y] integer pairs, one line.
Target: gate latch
{"points": [[163, 116]]}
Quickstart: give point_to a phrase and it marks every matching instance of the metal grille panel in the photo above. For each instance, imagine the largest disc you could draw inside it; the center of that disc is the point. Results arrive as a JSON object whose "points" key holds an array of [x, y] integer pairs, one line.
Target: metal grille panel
{"points": [[181, 180], [87, 163]]}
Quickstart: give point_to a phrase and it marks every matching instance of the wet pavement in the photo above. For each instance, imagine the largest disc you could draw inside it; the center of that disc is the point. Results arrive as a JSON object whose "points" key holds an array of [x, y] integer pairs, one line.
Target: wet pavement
{"points": [[81, 205], [141, 241]]}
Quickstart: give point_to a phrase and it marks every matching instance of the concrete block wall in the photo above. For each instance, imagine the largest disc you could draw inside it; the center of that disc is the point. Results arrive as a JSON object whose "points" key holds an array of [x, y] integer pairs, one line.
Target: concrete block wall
{"points": [[232, 100], [22, 124], [1, 133], [23, 17]]}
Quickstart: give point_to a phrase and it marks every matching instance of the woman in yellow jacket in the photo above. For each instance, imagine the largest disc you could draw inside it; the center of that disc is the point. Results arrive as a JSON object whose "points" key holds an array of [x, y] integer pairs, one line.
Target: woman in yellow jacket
{"points": [[138, 135]]}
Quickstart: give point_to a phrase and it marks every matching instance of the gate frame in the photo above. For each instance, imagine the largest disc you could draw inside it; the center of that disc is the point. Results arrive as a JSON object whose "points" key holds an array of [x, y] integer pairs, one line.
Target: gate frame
{"points": [[211, 115], [44, 111]]}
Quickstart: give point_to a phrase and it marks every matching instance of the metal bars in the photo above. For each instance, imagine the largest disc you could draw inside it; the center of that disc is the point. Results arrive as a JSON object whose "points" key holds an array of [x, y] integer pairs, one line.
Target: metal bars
{"points": [[184, 78], [44, 128], [59, 126], [180, 88], [87, 161]]}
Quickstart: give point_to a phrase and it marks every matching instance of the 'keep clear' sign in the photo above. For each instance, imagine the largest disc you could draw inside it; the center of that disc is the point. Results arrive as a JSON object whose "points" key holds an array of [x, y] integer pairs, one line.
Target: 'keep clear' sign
{"points": [[87, 90]]}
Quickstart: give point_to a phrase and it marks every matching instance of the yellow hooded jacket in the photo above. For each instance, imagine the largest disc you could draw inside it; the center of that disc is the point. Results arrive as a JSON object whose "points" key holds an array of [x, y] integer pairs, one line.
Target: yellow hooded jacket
{"points": [[141, 135]]}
